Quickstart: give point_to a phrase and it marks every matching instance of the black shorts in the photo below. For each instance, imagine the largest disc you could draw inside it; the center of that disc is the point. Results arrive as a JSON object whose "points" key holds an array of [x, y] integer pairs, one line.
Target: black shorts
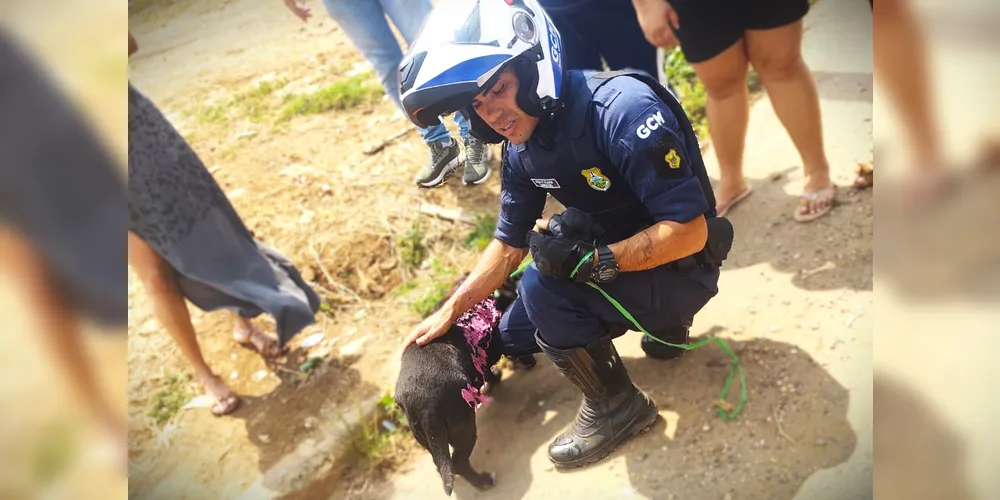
{"points": [[708, 27]]}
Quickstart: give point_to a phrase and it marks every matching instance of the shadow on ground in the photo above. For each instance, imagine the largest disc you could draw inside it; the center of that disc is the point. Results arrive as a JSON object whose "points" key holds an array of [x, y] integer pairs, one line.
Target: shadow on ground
{"points": [[278, 422], [206, 455]]}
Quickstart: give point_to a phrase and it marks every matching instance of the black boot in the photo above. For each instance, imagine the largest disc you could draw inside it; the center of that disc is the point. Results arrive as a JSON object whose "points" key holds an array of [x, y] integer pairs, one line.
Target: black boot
{"points": [[656, 350], [613, 409]]}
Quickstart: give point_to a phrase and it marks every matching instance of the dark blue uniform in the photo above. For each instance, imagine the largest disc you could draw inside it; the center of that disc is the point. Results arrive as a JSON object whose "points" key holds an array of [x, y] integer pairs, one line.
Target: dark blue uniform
{"points": [[621, 155]]}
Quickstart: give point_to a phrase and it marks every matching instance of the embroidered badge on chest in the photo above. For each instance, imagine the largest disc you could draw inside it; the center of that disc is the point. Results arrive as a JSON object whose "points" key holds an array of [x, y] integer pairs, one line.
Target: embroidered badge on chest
{"points": [[595, 179]]}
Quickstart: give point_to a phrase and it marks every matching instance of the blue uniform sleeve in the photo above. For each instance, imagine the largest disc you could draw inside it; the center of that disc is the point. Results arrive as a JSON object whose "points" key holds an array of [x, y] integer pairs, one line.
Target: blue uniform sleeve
{"points": [[521, 203], [645, 144]]}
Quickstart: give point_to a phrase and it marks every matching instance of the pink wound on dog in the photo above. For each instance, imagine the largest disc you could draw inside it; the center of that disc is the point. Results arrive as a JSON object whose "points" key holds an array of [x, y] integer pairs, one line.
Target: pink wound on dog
{"points": [[477, 324]]}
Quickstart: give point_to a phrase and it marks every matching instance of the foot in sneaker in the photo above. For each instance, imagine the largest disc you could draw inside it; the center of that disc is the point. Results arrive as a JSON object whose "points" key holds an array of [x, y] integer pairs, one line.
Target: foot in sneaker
{"points": [[444, 160], [477, 161]]}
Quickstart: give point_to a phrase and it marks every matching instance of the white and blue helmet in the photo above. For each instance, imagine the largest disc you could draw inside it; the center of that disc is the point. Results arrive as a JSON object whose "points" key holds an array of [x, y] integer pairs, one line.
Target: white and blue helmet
{"points": [[462, 47]]}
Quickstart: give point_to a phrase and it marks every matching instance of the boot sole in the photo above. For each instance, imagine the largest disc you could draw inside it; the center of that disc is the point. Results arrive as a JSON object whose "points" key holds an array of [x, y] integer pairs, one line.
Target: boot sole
{"points": [[633, 430], [446, 172]]}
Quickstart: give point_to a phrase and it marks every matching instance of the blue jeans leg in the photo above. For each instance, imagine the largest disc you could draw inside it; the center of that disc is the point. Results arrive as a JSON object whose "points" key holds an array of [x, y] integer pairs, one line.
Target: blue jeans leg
{"points": [[365, 24], [409, 17], [439, 132], [463, 124], [435, 133]]}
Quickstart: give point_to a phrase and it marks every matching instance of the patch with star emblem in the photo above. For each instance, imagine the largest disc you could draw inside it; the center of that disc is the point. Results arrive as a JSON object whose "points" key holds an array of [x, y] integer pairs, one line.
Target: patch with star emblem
{"points": [[666, 155], [673, 159]]}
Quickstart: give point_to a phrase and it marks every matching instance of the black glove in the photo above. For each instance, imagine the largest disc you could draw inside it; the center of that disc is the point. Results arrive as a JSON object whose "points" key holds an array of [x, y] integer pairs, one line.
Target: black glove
{"points": [[575, 224], [558, 257]]}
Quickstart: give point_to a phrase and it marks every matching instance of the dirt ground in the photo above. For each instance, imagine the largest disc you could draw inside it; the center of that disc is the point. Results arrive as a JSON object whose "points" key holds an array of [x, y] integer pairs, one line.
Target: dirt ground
{"points": [[795, 301]]}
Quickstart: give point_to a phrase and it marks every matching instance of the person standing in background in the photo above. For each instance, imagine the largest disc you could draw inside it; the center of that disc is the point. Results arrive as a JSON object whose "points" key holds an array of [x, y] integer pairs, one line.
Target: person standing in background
{"points": [[62, 200], [596, 30], [187, 243], [365, 24], [721, 38]]}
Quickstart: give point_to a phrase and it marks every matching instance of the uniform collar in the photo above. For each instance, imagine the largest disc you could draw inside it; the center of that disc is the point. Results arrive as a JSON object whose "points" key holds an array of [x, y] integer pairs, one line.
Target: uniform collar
{"points": [[570, 120]]}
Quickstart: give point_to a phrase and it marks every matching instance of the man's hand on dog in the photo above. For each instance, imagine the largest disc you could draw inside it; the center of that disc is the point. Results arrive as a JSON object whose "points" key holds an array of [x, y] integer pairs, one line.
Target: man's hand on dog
{"points": [[432, 327]]}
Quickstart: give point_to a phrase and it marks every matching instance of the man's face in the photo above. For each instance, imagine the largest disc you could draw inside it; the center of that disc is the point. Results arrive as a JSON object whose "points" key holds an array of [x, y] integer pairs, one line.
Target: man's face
{"points": [[498, 108]]}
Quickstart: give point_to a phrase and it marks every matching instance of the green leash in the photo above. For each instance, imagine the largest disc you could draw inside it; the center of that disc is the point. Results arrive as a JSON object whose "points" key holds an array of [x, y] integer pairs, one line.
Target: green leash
{"points": [[735, 367]]}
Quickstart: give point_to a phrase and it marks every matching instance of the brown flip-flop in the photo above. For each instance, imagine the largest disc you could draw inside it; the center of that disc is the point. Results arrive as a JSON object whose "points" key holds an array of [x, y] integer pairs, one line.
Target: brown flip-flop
{"points": [[732, 203], [249, 344], [226, 405]]}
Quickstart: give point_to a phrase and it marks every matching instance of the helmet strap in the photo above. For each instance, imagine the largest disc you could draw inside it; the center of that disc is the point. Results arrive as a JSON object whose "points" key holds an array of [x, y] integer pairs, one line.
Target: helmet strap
{"points": [[527, 76]]}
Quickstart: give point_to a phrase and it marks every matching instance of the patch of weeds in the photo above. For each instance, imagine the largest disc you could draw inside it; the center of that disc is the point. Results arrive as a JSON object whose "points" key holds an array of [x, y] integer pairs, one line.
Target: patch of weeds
{"points": [[482, 235], [343, 94], [440, 269], [425, 305], [309, 364], [254, 105], [169, 399], [326, 308], [212, 114], [404, 289], [690, 90], [266, 88], [378, 437], [412, 249]]}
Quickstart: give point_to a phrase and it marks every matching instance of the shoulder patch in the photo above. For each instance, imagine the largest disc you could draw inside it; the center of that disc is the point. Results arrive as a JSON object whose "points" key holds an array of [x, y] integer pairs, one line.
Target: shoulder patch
{"points": [[673, 159], [666, 155]]}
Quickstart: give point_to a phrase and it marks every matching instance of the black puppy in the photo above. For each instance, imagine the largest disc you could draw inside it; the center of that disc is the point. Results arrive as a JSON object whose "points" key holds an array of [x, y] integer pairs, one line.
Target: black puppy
{"points": [[429, 391]]}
